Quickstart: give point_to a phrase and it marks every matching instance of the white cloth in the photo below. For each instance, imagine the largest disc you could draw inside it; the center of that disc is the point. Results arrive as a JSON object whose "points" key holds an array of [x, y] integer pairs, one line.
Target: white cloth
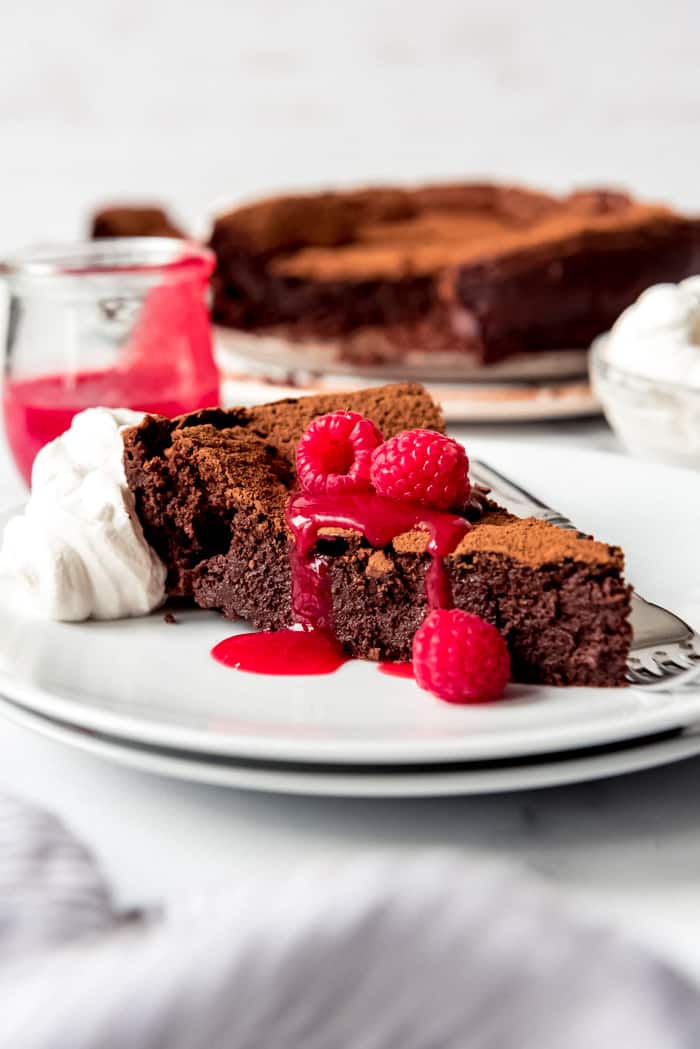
{"points": [[430, 954]]}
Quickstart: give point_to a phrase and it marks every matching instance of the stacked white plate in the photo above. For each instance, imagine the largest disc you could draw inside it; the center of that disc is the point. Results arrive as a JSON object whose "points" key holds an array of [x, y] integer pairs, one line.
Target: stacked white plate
{"points": [[148, 694], [530, 386]]}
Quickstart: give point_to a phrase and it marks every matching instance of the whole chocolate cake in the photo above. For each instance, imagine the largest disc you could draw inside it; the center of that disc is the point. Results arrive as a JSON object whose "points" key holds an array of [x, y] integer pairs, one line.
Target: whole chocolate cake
{"points": [[479, 270], [212, 491]]}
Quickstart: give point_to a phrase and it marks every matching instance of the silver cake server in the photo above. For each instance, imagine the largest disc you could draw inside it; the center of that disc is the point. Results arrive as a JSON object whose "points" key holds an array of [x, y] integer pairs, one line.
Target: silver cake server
{"points": [[665, 651]]}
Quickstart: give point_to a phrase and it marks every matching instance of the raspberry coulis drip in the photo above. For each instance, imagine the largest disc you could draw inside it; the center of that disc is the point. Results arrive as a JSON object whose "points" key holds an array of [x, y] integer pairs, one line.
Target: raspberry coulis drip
{"points": [[311, 647], [334, 460], [282, 652], [379, 520]]}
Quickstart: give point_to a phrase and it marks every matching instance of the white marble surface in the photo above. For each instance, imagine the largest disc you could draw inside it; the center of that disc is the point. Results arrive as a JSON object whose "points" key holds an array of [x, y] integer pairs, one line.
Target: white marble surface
{"points": [[195, 103]]}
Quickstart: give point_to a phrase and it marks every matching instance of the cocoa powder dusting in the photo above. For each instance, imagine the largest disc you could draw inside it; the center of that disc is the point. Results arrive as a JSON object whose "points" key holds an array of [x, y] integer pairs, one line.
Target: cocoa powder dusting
{"points": [[527, 540], [394, 233]]}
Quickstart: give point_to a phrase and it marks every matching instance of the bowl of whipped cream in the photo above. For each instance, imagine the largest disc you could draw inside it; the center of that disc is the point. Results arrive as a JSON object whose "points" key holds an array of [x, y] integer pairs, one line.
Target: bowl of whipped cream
{"points": [[646, 373]]}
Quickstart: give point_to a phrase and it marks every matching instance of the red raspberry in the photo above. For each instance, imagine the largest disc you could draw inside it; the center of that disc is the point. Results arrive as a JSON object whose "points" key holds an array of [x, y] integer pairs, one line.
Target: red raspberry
{"points": [[460, 657], [334, 454], [422, 466]]}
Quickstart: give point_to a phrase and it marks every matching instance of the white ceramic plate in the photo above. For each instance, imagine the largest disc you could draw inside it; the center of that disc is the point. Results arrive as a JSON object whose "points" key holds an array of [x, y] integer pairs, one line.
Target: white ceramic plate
{"points": [[476, 403], [521, 389], [155, 683], [370, 783]]}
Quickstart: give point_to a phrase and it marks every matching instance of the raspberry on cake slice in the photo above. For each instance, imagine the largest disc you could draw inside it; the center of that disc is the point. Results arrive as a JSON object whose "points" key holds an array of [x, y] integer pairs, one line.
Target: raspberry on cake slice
{"points": [[334, 454], [422, 466], [213, 492]]}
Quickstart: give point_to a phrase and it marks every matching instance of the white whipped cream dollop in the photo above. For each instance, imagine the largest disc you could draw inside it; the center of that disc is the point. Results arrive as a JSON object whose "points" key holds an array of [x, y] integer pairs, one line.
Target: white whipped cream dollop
{"points": [[78, 549], [658, 336]]}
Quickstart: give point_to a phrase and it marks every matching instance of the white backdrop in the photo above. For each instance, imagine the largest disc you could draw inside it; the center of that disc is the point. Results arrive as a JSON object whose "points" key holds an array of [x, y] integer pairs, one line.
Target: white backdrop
{"points": [[198, 101], [192, 102]]}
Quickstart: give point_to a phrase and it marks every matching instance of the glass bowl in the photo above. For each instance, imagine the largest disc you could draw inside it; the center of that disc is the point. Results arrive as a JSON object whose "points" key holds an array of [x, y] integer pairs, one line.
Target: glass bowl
{"points": [[658, 420]]}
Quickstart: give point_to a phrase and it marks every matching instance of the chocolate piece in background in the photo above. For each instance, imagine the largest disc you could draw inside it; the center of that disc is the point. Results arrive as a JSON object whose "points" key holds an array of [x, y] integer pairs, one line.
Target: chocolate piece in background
{"points": [[133, 220]]}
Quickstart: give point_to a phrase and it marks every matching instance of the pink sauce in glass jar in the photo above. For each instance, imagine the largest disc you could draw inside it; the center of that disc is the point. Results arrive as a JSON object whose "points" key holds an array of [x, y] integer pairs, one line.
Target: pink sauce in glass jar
{"points": [[138, 306]]}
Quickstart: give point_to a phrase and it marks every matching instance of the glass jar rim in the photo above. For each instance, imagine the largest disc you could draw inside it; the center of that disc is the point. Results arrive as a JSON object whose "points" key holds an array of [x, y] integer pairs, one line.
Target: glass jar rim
{"points": [[111, 256]]}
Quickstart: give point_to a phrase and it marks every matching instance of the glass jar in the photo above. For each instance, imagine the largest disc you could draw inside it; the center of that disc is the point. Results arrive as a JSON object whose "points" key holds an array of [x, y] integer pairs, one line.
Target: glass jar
{"points": [[117, 323]]}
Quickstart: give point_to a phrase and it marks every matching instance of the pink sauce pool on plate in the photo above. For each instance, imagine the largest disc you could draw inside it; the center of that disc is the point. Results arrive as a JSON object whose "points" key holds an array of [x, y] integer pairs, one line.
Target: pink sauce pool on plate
{"points": [[281, 652], [396, 669]]}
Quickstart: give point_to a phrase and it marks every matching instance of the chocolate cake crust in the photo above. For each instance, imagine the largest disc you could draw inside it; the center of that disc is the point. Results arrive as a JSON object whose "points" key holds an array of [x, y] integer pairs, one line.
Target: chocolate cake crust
{"points": [[211, 490], [484, 270]]}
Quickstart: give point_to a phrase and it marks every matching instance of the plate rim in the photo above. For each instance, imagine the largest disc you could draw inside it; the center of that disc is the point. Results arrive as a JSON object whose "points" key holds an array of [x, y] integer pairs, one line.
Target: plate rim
{"points": [[563, 394], [458, 412], [368, 785], [685, 711]]}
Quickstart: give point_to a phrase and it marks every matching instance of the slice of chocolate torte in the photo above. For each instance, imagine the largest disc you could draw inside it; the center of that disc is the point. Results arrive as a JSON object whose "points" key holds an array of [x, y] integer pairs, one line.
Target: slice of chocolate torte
{"points": [[213, 491], [475, 273]]}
